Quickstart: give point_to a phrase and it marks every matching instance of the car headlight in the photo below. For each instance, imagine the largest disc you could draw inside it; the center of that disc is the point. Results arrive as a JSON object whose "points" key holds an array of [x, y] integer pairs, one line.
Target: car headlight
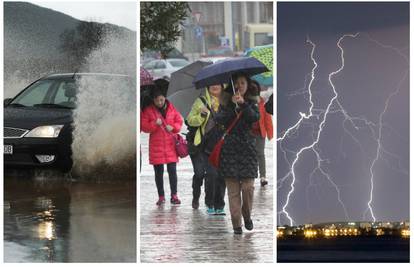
{"points": [[49, 131]]}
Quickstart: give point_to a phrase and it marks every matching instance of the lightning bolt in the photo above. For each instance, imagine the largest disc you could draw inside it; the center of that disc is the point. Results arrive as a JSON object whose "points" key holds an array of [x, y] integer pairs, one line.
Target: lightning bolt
{"points": [[355, 122], [379, 146], [321, 125], [381, 124], [310, 114]]}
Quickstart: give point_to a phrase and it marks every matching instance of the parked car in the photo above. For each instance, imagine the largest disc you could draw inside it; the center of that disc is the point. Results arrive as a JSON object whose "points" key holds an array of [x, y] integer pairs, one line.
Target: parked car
{"points": [[162, 68], [213, 59], [220, 51], [149, 55], [38, 121]]}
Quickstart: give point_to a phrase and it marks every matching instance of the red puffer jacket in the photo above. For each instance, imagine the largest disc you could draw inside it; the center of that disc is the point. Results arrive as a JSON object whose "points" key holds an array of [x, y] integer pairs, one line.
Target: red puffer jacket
{"points": [[161, 142]]}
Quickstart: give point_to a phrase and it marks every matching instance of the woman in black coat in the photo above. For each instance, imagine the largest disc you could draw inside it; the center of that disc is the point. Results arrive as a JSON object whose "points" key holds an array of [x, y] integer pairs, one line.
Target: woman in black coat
{"points": [[238, 158]]}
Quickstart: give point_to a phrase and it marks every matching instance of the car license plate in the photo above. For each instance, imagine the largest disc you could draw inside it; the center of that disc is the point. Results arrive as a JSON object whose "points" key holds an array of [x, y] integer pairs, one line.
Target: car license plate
{"points": [[8, 149]]}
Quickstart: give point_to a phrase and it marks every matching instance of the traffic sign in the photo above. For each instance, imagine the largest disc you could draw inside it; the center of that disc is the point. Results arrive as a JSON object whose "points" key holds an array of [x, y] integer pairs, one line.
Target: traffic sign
{"points": [[197, 16], [198, 31]]}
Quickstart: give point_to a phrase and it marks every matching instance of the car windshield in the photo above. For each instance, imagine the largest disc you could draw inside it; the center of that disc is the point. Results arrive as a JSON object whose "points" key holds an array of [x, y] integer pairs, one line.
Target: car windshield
{"points": [[62, 93], [178, 63], [48, 94]]}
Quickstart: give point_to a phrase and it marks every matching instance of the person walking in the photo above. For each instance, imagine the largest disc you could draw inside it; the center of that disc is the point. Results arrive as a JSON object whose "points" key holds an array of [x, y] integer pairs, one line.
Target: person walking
{"points": [[269, 105], [202, 119], [238, 158], [162, 121], [262, 129]]}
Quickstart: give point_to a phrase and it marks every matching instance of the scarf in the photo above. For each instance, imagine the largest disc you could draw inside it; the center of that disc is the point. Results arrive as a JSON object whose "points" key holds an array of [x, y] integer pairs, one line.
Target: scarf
{"points": [[215, 103]]}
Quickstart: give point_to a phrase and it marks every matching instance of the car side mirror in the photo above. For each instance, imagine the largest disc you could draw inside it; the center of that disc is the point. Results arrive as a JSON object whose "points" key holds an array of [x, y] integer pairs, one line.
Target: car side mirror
{"points": [[7, 101]]}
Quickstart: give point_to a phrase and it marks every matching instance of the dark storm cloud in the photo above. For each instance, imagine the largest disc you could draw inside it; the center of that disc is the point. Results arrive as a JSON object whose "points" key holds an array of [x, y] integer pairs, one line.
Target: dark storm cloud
{"points": [[331, 18], [371, 73]]}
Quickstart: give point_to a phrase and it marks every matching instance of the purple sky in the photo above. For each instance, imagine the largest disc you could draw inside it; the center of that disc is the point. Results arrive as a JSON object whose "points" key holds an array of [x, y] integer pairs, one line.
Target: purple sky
{"points": [[375, 67]]}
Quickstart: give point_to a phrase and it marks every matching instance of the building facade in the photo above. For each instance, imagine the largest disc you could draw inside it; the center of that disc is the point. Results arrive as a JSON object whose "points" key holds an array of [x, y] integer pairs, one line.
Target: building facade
{"points": [[224, 27]]}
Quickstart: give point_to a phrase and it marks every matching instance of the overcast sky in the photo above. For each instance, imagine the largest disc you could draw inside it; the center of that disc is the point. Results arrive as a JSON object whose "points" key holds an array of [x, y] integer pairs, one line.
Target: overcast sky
{"points": [[375, 66], [119, 13]]}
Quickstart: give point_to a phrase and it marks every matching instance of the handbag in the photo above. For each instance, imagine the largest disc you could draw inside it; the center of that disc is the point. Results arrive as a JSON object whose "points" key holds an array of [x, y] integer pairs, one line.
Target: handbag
{"points": [[214, 158], [181, 145], [212, 137]]}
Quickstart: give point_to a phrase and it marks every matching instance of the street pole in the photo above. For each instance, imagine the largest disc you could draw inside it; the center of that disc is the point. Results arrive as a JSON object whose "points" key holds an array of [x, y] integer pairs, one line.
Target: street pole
{"points": [[228, 23]]}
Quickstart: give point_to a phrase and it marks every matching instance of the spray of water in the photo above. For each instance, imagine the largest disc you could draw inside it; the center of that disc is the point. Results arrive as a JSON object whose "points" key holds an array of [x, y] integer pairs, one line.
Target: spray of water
{"points": [[13, 84], [104, 136]]}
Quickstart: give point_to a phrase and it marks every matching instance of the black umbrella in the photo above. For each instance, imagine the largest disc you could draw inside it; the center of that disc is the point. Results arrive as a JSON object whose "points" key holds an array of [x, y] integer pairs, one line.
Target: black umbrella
{"points": [[181, 90]]}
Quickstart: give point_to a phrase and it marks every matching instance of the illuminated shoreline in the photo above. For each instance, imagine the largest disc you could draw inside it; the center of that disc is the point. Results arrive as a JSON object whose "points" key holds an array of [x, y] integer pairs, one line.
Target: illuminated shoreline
{"points": [[344, 229]]}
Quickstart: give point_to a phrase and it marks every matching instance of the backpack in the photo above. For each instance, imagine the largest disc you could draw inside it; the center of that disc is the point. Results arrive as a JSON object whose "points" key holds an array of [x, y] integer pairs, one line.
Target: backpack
{"points": [[190, 135]]}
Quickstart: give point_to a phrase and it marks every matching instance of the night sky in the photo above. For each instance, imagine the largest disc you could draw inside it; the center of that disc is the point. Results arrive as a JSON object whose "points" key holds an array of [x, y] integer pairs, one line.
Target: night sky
{"points": [[375, 70]]}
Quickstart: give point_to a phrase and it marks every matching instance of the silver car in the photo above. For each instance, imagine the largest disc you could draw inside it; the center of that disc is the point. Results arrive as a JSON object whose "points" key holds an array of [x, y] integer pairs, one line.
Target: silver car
{"points": [[162, 68]]}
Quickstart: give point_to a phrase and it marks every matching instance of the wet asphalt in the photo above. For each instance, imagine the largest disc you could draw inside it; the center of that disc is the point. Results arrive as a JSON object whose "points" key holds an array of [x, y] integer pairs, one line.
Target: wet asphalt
{"points": [[51, 218]]}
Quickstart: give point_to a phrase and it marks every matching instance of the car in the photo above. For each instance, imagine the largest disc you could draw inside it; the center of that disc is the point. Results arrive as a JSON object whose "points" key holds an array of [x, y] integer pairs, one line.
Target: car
{"points": [[220, 51], [149, 55], [213, 59], [38, 121], [162, 68]]}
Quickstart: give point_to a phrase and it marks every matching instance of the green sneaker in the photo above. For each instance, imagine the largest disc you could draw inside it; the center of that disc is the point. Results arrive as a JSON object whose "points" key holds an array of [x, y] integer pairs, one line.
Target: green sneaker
{"points": [[211, 211], [220, 212]]}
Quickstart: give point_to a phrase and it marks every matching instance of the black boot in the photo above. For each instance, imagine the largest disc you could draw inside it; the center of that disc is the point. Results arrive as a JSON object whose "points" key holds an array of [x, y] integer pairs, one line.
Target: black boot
{"points": [[263, 181], [248, 224], [195, 203], [238, 231]]}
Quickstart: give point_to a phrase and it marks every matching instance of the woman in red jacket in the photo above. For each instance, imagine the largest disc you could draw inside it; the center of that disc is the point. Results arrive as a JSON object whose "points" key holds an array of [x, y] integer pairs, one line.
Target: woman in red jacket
{"points": [[162, 121]]}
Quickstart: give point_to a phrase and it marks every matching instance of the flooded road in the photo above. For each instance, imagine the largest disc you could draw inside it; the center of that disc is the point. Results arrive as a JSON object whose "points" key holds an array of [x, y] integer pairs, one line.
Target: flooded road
{"points": [[52, 219], [181, 234]]}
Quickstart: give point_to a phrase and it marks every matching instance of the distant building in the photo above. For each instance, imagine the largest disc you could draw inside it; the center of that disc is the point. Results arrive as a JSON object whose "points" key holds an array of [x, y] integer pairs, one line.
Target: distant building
{"points": [[387, 225], [223, 28], [365, 225]]}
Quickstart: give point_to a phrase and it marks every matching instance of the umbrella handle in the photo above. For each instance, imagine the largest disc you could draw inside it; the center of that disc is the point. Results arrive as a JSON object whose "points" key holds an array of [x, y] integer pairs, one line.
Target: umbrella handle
{"points": [[234, 90]]}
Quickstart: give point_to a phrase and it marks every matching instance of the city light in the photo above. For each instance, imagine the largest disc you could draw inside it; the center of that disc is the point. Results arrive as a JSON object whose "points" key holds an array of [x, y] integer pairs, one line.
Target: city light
{"points": [[380, 232], [279, 233], [405, 233], [345, 230], [310, 233]]}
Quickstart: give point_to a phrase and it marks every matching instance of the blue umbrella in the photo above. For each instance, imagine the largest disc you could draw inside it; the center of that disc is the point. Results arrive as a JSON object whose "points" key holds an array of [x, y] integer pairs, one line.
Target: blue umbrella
{"points": [[222, 71]]}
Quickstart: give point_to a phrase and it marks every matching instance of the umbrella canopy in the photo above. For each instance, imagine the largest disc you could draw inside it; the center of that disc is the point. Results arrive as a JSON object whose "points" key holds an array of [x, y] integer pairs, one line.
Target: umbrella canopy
{"points": [[265, 55], [222, 71], [181, 91], [182, 79], [145, 77], [183, 100]]}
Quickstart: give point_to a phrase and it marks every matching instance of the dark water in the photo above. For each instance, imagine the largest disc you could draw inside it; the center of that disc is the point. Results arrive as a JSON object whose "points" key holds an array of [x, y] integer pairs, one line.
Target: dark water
{"points": [[56, 219], [350, 249]]}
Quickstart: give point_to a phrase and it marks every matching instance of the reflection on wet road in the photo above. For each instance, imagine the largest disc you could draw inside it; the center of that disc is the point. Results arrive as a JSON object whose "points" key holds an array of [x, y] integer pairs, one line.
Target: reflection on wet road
{"points": [[52, 219], [181, 234]]}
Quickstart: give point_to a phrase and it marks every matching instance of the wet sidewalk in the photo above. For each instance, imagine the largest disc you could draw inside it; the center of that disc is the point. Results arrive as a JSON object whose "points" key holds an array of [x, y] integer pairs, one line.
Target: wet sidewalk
{"points": [[181, 234]]}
